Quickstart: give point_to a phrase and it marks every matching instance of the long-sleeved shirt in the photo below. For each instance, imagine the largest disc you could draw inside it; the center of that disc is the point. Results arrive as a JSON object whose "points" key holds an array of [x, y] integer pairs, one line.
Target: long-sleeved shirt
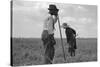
{"points": [[49, 24], [70, 33]]}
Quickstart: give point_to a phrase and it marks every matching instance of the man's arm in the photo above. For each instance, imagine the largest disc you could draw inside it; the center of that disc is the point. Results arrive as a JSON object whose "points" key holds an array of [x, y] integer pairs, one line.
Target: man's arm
{"points": [[55, 18], [74, 32]]}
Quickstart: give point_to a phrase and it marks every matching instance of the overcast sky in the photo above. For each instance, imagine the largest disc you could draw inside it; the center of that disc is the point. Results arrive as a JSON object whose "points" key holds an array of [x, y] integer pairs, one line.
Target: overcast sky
{"points": [[28, 18]]}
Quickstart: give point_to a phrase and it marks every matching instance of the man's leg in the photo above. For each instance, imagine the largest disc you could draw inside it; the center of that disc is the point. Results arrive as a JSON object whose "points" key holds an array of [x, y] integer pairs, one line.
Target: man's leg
{"points": [[74, 52], [71, 48], [75, 47], [49, 54], [52, 52]]}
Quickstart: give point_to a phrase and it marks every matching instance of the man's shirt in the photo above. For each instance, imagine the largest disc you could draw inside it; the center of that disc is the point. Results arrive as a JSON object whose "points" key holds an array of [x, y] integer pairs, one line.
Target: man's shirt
{"points": [[70, 33], [49, 24]]}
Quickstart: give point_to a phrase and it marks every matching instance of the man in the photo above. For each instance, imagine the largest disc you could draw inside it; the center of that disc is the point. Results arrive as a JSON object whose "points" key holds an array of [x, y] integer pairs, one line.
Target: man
{"points": [[71, 38], [48, 34]]}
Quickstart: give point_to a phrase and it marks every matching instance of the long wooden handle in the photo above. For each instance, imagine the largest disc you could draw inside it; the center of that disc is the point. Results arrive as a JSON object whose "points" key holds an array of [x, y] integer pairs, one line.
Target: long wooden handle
{"points": [[61, 40]]}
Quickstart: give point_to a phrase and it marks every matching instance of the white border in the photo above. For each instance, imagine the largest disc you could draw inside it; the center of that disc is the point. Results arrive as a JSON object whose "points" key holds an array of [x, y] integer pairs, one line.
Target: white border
{"points": [[5, 33]]}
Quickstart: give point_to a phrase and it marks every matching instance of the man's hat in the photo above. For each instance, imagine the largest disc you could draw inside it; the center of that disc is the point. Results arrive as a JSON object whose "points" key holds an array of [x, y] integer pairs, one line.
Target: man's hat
{"points": [[64, 25], [52, 7]]}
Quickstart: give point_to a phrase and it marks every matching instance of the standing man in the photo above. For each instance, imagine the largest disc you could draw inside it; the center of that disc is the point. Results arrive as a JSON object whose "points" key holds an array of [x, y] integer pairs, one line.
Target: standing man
{"points": [[71, 39], [48, 34]]}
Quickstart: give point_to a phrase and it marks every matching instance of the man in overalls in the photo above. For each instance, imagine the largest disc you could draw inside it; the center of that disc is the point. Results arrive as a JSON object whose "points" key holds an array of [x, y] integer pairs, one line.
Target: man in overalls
{"points": [[48, 34]]}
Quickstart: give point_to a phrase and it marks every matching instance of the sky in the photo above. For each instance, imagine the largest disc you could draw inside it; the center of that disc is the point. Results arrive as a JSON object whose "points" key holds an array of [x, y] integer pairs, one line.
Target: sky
{"points": [[29, 16]]}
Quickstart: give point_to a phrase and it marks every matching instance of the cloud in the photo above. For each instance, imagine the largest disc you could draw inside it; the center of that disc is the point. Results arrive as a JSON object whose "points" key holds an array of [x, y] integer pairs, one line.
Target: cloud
{"points": [[78, 21], [80, 8], [68, 19], [85, 20], [29, 16]]}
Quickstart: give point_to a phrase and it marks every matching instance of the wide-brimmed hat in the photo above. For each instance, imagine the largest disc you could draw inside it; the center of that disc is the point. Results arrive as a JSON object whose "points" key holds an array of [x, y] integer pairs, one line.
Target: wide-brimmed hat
{"points": [[53, 7]]}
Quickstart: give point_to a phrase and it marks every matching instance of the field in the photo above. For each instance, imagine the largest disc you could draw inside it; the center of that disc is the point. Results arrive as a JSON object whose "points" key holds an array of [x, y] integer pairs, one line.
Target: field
{"points": [[29, 51]]}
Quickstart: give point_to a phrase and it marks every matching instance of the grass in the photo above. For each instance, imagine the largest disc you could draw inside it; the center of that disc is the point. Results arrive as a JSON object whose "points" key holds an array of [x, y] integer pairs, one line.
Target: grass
{"points": [[29, 51]]}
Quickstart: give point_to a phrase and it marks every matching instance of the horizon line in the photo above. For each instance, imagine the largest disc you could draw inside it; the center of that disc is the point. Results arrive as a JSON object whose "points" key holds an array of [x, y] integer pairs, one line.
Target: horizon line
{"points": [[55, 37]]}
